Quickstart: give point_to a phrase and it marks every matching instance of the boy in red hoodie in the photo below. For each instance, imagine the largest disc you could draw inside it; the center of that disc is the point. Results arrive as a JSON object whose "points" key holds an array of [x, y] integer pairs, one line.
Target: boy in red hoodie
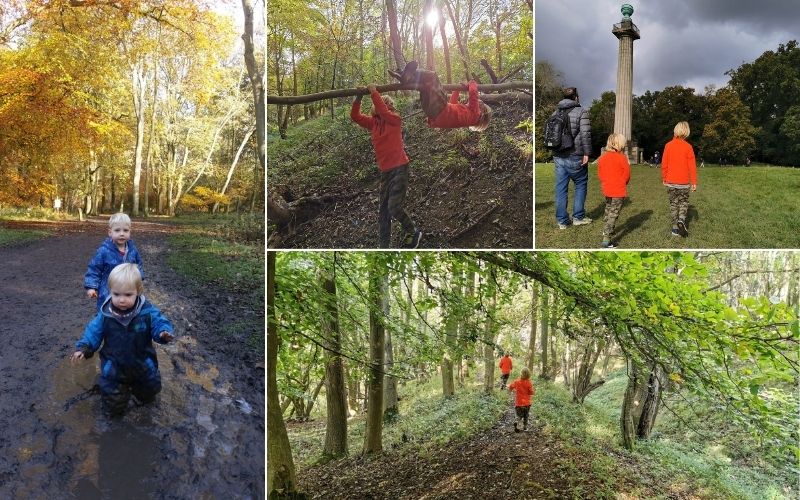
{"points": [[679, 174], [385, 127], [615, 173], [505, 369], [522, 405], [441, 112]]}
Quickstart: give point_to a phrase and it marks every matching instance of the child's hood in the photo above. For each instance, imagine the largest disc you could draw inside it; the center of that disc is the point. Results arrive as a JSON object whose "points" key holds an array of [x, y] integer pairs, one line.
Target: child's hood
{"points": [[105, 309], [111, 246]]}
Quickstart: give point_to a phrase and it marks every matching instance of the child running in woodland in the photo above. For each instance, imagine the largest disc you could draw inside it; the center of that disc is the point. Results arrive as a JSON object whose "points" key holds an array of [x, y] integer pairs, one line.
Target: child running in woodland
{"points": [[126, 325], [679, 175], [442, 113], [385, 126], [522, 405], [505, 369], [615, 173], [117, 249]]}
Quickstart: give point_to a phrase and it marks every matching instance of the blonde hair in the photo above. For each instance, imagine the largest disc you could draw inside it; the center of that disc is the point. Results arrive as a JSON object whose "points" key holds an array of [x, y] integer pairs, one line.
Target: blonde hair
{"points": [[483, 121], [525, 374], [126, 275], [386, 100], [616, 142], [682, 130], [119, 218]]}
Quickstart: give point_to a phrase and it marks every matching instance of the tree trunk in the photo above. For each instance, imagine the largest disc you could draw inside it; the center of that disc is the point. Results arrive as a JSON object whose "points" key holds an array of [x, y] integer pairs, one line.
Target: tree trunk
{"points": [[336, 428], [446, 47], [534, 310], [280, 466], [651, 403], [459, 42], [583, 384], [378, 310], [464, 335], [450, 329], [427, 34], [256, 79], [352, 390], [631, 404], [488, 347], [139, 81], [390, 409], [545, 332], [148, 167], [233, 165], [394, 34]]}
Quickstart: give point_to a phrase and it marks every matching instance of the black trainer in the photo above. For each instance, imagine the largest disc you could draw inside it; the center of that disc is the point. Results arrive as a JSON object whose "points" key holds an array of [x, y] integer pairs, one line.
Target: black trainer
{"points": [[682, 229], [412, 240], [409, 72]]}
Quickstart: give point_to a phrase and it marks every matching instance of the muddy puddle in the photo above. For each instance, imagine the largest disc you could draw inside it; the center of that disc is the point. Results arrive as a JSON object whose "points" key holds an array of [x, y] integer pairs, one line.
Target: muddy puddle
{"points": [[202, 438]]}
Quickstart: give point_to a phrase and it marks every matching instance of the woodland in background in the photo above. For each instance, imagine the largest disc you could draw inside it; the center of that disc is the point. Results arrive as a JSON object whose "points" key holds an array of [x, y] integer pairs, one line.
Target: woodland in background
{"points": [[313, 47], [757, 114], [142, 106], [716, 331]]}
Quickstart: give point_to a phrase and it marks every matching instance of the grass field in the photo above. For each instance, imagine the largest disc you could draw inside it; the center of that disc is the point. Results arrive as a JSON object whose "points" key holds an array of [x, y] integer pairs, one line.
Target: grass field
{"points": [[733, 207], [13, 236]]}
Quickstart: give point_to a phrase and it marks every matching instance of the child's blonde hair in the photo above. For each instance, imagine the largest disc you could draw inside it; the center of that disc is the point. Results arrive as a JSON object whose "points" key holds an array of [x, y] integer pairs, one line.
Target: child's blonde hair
{"points": [[119, 218], [616, 142], [682, 130], [386, 100], [525, 374], [483, 121], [126, 275]]}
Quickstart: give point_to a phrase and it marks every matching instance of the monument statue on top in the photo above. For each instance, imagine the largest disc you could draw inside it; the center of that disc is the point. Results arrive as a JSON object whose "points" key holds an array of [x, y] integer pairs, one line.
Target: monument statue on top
{"points": [[626, 32]]}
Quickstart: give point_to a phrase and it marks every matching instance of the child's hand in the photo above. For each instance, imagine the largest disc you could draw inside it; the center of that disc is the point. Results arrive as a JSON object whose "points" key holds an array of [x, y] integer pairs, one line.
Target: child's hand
{"points": [[372, 88], [91, 293], [166, 337], [76, 356], [694, 187]]}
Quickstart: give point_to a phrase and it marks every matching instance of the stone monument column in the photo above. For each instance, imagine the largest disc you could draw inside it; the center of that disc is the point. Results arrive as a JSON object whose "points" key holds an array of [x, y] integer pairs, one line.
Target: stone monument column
{"points": [[626, 32]]}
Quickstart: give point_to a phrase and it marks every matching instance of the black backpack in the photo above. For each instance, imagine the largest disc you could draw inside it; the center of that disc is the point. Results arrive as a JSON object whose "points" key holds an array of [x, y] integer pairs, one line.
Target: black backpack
{"points": [[557, 131]]}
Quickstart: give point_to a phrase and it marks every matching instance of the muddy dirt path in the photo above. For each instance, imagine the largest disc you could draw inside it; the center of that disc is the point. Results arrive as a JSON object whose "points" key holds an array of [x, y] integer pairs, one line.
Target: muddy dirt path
{"points": [[202, 438], [496, 464]]}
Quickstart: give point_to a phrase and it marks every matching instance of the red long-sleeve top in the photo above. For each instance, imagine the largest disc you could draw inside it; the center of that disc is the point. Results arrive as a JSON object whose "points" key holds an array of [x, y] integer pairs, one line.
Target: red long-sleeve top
{"points": [[386, 129], [615, 173], [678, 165], [505, 365], [455, 114], [524, 391]]}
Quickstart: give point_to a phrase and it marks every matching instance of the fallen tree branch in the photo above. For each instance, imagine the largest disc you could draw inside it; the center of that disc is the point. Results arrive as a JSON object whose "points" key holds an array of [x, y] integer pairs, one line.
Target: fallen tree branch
{"points": [[475, 224], [332, 94]]}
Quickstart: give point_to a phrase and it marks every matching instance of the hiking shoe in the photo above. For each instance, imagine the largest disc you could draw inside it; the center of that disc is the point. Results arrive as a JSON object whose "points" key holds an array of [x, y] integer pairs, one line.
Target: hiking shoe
{"points": [[608, 244], [409, 72], [581, 222], [682, 229], [563, 226], [675, 232], [412, 240]]}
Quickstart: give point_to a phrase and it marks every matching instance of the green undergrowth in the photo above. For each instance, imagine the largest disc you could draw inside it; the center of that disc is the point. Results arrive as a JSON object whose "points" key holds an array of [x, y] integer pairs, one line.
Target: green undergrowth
{"points": [[425, 422], [733, 207], [201, 253], [33, 214], [17, 236], [667, 463]]}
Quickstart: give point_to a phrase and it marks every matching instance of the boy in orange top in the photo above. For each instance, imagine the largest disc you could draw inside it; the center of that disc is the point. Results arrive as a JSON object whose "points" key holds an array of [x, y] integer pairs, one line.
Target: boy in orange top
{"points": [[386, 129], [522, 405], [505, 369], [679, 174], [441, 112], [615, 173]]}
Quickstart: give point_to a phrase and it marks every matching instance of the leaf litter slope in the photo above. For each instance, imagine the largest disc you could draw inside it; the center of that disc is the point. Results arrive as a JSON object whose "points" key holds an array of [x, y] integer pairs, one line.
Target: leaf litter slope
{"points": [[204, 435], [466, 189]]}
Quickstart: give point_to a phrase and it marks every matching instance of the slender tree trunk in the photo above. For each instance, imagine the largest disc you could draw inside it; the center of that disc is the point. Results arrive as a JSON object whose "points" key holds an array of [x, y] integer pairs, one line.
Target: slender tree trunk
{"points": [[139, 82], [394, 35], [256, 80], [631, 404], [335, 388], [390, 409], [446, 47], [427, 34], [352, 390], [651, 403], [378, 309], [148, 168], [233, 165], [488, 346], [451, 333], [280, 466], [534, 310], [459, 42], [545, 333]]}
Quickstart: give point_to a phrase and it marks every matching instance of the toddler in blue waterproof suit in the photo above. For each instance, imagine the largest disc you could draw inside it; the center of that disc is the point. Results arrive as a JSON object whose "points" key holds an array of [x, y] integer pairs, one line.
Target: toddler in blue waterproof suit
{"points": [[116, 249], [127, 325]]}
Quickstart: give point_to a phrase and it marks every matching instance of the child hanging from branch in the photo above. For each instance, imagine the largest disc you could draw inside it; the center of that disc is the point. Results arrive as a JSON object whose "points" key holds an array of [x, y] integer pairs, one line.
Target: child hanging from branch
{"points": [[441, 112], [385, 127]]}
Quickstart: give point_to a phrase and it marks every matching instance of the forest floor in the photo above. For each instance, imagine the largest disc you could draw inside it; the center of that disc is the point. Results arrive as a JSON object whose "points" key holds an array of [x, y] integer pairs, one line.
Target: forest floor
{"points": [[204, 435], [466, 189], [733, 207]]}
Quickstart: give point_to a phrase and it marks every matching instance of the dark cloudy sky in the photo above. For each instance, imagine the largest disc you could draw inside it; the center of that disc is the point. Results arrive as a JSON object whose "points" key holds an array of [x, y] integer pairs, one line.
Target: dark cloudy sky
{"points": [[684, 42]]}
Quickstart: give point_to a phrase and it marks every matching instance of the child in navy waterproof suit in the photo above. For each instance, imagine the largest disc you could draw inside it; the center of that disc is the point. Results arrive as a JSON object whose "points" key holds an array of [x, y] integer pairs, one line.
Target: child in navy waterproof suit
{"points": [[116, 249], [127, 325]]}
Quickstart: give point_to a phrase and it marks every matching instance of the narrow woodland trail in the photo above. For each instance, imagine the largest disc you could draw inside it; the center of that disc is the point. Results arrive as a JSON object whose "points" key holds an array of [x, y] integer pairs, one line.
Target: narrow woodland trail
{"points": [[202, 438], [496, 464]]}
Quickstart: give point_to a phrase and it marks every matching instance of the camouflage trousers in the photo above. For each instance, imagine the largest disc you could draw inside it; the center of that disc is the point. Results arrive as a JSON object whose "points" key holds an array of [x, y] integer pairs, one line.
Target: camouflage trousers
{"points": [[432, 96], [393, 187], [613, 207], [678, 204]]}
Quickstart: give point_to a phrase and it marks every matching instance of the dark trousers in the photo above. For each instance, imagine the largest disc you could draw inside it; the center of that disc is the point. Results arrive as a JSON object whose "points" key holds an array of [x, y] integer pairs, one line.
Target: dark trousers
{"points": [[116, 388], [432, 96], [522, 413], [393, 187]]}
